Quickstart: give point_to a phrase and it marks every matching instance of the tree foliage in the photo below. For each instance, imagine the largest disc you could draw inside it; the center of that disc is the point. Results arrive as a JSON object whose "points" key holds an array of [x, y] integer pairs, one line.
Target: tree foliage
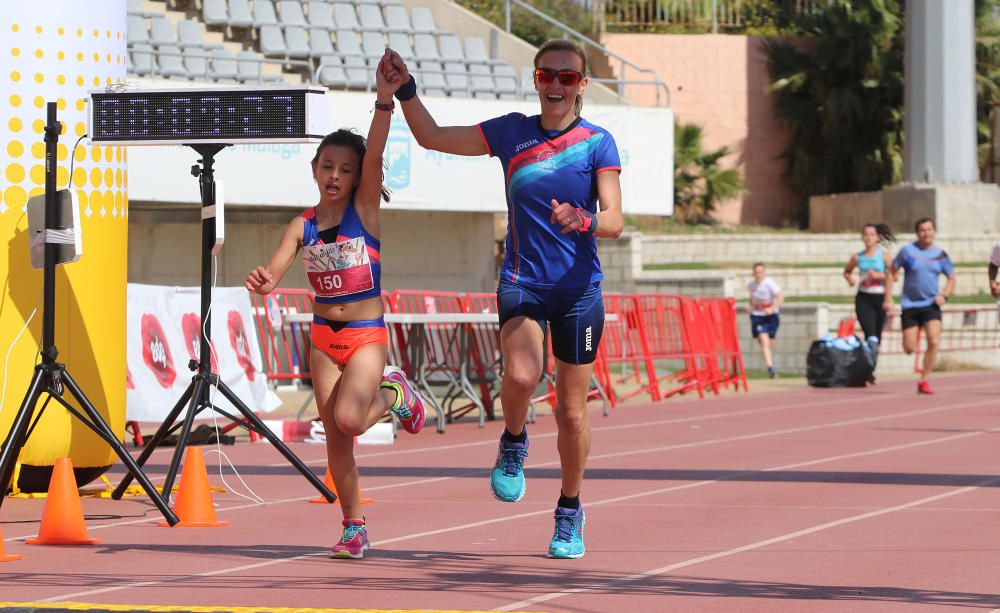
{"points": [[699, 182], [840, 93], [529, 27]]}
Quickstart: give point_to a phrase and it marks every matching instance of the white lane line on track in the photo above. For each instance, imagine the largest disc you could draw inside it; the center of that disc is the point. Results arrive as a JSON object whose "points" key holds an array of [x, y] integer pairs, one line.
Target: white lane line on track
{"points": [[473, 471], [744, 548], [509, 518], [660, 422]]}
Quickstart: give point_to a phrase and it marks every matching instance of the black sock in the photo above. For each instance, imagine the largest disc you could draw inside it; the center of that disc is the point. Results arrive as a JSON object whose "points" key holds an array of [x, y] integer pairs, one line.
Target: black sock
{"points": [[568, 502], [519, 438]]}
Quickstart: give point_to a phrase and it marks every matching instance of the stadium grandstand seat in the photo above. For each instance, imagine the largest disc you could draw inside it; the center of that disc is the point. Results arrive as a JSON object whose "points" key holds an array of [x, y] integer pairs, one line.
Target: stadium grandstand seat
{"points": [[290, 13], [397, 20], [475, 52], [331, 73], [319, 42], [264, 14], [451, 48], [346, 17], [373, 44], [506, 82], [222, 66], [481, 82], [348, 43], [297, 42], [321, 15], [161, 31], [239, 14], [272, 41], [171, 62], [425, 48], [400, 43], [423, 20], [214, 13], [370, 17], [143, 61], [431, 79], [457, 78]]}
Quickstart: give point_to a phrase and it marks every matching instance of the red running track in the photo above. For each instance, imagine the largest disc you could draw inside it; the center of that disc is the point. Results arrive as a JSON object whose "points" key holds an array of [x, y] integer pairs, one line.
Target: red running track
{"points": [[819, 500]]}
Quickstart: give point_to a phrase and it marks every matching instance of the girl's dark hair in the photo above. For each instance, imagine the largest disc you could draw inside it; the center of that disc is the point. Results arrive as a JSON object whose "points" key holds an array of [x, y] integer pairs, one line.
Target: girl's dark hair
{"points": [[885, 235], [345, 137], [561, 44]]}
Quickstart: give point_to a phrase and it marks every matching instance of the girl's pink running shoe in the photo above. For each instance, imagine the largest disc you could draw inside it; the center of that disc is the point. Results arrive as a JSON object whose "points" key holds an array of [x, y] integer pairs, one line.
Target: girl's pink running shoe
{"points": [[410, 410], [354, 543]]}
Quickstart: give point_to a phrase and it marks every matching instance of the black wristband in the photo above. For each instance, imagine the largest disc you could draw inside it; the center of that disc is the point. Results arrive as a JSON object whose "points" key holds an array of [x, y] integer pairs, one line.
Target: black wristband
{"points": [[407, 90]]}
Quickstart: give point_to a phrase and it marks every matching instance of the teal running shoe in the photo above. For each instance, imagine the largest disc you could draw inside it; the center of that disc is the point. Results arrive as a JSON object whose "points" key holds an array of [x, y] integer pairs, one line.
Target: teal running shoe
{"points": [[507, 477], [567, 542]]}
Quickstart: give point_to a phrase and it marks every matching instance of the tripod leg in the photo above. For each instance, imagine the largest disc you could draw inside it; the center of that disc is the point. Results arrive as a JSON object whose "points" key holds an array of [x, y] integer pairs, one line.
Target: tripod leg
{"points": [[119, 449], [151, 444], [198, 400], [18, 431], [274, 440]]}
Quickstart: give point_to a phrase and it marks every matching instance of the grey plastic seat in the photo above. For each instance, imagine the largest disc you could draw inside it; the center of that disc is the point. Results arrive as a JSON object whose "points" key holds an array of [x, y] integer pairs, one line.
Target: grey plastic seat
{"points": [[143, 61], [290, 13], [214, 13], [372, 44], [425, 48], [319, 43], [475, 51], [272, 42], [189, 35], [196, 62], [136, 30], [330, 71], [423, 20], [528, 83], [248, 66], [451, 48], [359, 76], [348, 43], [222, 65], [321, 15], [456, 76], [239, 14], [161, 31], [134, 7], [481, 80], [400, 43], [506, 81], [171, 62], [264, 14], [297, 42], [431, 77], [370, 18], [397, 19], [345, 16]]}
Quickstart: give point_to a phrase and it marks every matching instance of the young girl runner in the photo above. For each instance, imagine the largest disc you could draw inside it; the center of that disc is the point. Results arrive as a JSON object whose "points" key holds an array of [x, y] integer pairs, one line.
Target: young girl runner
{"points": [[563, 190], [873, 263], [339, 240]]}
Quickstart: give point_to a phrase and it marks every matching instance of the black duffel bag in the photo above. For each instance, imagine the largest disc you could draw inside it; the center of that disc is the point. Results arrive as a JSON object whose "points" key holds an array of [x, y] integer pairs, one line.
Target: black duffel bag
{"points": [[839, 362]]}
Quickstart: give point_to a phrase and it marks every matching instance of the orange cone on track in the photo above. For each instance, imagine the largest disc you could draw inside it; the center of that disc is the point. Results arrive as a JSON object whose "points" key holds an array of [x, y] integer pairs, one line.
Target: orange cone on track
{"points": [[6, 557], [328, 481], [194, 504], [62, 519]]}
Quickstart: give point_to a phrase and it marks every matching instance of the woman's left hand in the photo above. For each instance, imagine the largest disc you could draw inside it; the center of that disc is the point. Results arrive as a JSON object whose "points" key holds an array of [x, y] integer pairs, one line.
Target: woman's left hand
{"points": [[566, 215]]}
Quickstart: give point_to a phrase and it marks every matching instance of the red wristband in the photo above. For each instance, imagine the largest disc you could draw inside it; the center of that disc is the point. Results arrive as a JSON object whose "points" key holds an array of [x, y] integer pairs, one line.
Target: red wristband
{"points": [[588, 221]]}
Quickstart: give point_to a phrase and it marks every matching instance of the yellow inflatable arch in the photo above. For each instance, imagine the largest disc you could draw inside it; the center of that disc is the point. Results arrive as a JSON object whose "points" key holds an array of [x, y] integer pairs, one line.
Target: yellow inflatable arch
{"points": [[58, 50]]}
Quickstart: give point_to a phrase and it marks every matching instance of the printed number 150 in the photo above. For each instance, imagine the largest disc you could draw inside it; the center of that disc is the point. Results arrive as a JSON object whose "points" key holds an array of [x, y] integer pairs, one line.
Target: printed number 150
{"points": [[329, 282]]}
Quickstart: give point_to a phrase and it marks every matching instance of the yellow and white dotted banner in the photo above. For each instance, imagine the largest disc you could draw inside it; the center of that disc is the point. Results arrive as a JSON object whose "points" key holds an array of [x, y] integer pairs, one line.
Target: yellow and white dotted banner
{"points": [[56, 51]]}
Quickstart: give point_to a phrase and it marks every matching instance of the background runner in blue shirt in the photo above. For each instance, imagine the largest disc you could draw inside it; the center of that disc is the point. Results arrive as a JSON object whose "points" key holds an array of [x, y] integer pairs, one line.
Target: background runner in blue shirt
{"points": [[921, 298], [563, 190]]}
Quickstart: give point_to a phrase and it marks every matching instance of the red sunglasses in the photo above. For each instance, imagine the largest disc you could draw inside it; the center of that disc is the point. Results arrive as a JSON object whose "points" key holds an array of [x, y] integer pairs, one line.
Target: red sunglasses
{"points": [[566, 77]]}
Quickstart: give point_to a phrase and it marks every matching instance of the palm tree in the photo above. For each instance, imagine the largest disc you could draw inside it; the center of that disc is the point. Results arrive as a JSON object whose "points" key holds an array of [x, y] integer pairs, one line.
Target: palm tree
{"points": [[840, 93], [699, 183]]}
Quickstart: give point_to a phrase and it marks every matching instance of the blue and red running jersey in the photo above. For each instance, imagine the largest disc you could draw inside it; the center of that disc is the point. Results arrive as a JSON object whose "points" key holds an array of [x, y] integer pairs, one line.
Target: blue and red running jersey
{"points": [[540, 166]]}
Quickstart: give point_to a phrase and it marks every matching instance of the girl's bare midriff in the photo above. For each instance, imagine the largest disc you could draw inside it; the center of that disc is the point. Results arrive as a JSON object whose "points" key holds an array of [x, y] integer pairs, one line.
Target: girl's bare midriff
{"points": [[370, 308]]}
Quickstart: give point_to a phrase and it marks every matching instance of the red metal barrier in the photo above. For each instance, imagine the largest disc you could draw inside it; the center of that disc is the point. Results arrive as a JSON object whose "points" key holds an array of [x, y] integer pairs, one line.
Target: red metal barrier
{"points": [[285, 345], [725, 342]]}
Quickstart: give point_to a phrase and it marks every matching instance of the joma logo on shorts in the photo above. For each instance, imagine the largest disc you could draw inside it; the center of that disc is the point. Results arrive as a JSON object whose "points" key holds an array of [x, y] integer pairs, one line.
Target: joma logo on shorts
{"points": [[588, 338]]}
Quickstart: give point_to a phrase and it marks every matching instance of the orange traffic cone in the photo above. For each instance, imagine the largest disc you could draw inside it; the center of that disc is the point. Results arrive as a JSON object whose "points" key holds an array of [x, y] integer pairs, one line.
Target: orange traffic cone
{"points": [[6, 557], [194, 504], [328, 481], [62, 519]]}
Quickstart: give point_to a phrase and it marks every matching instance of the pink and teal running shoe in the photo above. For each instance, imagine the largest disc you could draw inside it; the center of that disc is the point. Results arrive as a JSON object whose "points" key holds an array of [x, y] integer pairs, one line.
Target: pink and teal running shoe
{"points": [[354, 543], [408, 408]]}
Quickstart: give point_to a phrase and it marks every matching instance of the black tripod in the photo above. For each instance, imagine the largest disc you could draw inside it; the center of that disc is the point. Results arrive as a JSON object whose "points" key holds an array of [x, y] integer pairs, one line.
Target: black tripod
{"points": [[197, 396], [51, 377]]}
